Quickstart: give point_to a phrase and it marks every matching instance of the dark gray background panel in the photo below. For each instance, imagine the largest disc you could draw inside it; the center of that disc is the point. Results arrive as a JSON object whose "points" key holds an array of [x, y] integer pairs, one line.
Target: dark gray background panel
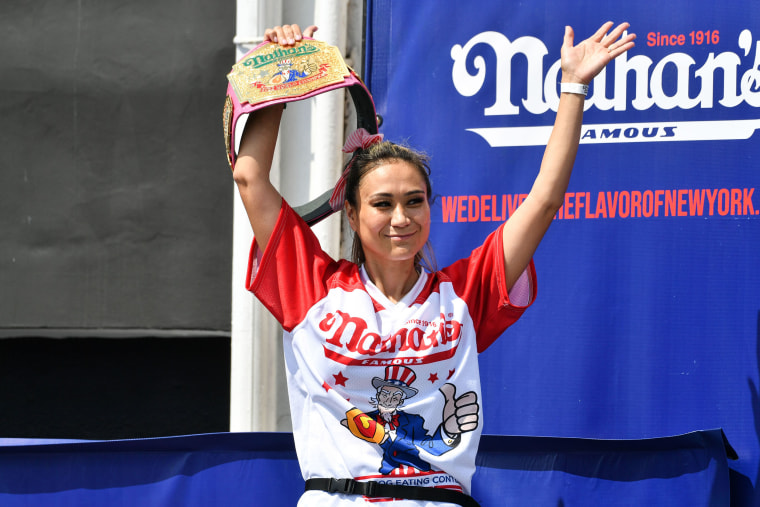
{"points": [[115, 196]]}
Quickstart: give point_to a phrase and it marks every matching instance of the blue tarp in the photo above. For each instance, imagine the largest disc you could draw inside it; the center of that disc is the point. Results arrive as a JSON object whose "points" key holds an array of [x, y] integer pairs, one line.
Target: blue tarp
{"points": [[261, 469]]}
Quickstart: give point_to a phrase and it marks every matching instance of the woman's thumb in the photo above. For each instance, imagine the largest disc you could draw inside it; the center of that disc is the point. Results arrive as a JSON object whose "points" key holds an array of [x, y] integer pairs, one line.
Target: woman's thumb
{"points": [[569, 36]]}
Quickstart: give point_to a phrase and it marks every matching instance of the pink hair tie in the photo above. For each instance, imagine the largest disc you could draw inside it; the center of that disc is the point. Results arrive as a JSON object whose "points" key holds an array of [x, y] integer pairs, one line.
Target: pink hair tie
{"points": [[359, 139]]}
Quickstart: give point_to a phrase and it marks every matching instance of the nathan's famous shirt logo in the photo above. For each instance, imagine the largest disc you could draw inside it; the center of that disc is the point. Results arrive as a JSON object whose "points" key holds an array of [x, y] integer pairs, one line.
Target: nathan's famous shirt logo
{"points": [[675, 81], [349, 341]]}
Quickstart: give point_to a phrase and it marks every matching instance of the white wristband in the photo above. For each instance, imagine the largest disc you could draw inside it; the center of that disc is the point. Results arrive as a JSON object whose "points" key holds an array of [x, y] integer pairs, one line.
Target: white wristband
{"points": [[579, 88]]}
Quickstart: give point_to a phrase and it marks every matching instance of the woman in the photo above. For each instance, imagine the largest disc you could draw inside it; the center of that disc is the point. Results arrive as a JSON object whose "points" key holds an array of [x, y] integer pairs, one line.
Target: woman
{"points": [[381, 355]]}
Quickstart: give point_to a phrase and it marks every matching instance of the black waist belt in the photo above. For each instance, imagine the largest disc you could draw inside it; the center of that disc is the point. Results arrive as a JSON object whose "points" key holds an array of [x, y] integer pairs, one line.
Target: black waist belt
{"points": [[379, 490]]}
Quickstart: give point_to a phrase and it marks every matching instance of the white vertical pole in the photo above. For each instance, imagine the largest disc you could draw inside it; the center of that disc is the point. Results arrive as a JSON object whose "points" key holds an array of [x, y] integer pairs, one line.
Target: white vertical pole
{"points": [[255, 334], [327, 127], [256, 378]]}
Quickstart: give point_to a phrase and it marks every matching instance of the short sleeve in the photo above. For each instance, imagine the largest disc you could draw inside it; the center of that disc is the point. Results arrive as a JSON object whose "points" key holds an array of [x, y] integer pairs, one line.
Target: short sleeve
{"points": [[480, 280], [290, 276]]}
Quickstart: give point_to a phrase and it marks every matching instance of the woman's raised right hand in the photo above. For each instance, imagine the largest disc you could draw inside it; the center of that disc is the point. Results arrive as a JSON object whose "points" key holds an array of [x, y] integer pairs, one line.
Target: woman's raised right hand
{"points": [[287, 35]]}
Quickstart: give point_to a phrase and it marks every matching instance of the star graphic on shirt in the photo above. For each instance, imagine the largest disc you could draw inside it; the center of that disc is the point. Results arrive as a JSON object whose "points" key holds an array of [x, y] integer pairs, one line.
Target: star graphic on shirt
{"points": [[451, 373], [326, 386], [433, 378], [340, 380]]}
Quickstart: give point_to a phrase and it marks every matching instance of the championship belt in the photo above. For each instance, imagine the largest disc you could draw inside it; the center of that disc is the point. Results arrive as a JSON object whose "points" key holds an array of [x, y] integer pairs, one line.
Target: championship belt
{"points": [[271, 74]]}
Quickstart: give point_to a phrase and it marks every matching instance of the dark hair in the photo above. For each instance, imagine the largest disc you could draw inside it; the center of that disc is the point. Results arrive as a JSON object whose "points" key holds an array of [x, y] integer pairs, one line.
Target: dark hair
{"points": [[370, 158]]}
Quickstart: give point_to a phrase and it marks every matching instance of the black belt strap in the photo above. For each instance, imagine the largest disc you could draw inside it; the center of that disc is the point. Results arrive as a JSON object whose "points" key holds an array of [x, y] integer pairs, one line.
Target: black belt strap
{"points": [[379, 490]]}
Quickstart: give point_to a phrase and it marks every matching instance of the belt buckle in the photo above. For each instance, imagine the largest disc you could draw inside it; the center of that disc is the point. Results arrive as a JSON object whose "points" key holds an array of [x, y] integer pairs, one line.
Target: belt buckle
{"points": [[345, 486]]}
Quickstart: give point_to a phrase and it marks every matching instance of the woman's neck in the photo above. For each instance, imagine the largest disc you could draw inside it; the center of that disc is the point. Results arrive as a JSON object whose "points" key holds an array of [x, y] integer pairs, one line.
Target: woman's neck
{"points": [[394, 280]]}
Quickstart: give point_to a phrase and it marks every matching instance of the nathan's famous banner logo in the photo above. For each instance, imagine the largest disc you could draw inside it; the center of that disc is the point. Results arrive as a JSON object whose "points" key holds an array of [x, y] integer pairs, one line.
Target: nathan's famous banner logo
{"points": [[738, 71], [726, 77]]}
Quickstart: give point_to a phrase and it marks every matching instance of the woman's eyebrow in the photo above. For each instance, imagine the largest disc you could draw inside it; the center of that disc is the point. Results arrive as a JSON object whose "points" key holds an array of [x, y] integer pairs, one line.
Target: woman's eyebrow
{"points": [[389, 194]]}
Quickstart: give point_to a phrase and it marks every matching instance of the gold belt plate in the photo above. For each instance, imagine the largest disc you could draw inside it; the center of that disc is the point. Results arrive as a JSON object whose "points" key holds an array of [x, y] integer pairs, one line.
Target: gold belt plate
{"points": [[274, 72]]}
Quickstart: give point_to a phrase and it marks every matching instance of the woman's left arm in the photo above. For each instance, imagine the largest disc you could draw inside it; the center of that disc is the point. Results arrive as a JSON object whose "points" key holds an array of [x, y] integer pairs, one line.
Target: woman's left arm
{"points": [[580, 64]]}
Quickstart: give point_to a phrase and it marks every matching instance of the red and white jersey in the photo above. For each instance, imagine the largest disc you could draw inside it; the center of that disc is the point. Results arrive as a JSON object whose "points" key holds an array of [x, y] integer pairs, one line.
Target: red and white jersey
{"points": [[348, 349]]}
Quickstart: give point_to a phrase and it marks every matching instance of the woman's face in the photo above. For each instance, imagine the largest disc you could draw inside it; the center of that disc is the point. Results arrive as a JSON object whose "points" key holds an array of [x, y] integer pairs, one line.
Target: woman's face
{"points": [[392, 217]]}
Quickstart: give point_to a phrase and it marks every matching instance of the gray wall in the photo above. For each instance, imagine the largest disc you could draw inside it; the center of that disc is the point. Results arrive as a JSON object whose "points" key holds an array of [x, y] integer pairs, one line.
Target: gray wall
{"points": [[115, 196], [115, 218]]}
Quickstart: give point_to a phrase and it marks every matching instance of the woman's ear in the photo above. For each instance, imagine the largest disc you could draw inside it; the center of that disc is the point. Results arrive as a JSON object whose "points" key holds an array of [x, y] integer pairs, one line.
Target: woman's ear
{"points": [[351, 215]]}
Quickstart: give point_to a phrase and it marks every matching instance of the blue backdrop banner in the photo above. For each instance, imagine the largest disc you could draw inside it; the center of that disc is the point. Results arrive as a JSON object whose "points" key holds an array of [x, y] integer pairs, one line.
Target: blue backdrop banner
{"points": [[648, 314]]}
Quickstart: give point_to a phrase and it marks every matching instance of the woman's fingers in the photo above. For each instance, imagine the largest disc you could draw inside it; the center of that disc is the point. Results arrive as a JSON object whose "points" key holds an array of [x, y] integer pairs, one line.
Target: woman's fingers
{"points": [[287, 35], [601, 34], [611, 38], [309, 31]]}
